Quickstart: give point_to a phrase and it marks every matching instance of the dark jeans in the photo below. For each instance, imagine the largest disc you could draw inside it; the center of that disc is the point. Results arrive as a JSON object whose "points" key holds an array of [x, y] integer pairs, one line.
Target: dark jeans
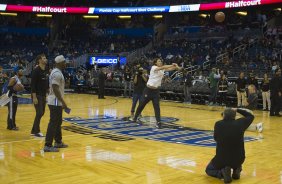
{"points": [[275, 104], [12, 110], [135, 99], [54, 127], [213, 93], [127, 88], [40, 110], [148, 95]]}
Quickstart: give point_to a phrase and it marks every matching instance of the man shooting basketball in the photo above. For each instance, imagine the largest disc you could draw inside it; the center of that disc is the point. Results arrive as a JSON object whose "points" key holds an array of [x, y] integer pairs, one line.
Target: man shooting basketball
{"points": [[151, 91]]}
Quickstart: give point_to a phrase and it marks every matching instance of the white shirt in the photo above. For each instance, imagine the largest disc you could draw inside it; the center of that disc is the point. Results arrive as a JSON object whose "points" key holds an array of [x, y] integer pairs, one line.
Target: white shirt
{"points": [[56, 77], [155, 78]]}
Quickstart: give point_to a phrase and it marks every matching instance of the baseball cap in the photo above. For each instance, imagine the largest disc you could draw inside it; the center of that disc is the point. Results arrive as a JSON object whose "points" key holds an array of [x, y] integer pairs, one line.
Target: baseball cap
{"points": [[60, 59]]}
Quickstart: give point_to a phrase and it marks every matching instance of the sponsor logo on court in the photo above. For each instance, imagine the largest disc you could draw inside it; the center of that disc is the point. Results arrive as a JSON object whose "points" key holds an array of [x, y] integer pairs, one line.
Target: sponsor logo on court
{"points": [[124, 130]]}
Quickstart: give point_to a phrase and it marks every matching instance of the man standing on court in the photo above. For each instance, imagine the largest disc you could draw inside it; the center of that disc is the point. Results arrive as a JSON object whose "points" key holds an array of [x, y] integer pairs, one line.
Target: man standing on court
{"points": [[151, 91], [102, 79], [241, 90], [213, 78], [13, 87], [39, 87], [230, 150], [276, 93], [56, 105]]}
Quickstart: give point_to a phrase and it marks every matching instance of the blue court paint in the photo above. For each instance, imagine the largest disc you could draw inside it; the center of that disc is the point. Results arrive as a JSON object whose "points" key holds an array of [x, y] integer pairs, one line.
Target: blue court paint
{"points": [[24, 100], [170, 132]]}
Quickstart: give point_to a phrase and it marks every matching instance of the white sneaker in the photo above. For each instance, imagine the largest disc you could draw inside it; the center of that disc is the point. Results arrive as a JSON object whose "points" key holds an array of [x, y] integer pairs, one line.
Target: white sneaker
{"points": [[259, 127]]}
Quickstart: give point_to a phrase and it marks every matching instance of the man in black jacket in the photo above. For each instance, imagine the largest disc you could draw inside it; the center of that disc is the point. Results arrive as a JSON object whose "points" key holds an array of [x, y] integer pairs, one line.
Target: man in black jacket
{"points": [[276, 93], [39, 89], [230, 151]]}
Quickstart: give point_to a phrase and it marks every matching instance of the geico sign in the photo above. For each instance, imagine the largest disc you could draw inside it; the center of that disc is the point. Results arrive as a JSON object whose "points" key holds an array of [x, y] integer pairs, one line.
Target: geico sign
{"points": [[104, 61]]}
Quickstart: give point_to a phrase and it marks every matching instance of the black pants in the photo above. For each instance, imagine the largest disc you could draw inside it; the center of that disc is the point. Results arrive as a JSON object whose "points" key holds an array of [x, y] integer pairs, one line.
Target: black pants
{"points": [[136, 97], [148, 95], [275, 104], [222, 97], [101, 91], [54, 127], [40, 110], [12, 110]]}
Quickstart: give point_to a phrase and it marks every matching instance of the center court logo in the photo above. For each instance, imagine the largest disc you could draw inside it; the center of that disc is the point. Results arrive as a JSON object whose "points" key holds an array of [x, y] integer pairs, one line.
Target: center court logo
{"points": [[170, 132], [242, 3]]}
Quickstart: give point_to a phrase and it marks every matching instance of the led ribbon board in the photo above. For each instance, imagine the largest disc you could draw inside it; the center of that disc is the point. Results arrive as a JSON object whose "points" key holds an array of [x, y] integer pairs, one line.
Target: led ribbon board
{"points": [[136, 10]]}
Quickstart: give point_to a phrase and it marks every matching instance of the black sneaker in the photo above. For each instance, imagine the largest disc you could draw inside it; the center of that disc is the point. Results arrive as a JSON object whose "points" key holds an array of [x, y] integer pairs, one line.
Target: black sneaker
{"points": [[226, 173], [159, 125], [61, 145], [13, 128], [50, 149], [38, 135], [236, 173]]}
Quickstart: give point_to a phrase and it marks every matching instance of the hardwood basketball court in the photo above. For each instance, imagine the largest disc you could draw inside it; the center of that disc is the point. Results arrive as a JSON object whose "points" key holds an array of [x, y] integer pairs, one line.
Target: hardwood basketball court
{"points": [[105, 155]]}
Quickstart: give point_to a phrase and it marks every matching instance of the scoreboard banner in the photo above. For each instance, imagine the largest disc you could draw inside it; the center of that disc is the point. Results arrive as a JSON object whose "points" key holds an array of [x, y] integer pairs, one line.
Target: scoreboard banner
{"points": [[136, 10]]}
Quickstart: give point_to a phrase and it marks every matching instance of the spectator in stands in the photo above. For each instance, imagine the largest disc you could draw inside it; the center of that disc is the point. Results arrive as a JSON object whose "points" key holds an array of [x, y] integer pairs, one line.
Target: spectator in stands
{"points": [[276, 93], [230, 151], [241, 90], [102, 79], [274, 67], [265, 93], [127, 82], [187, 79], [222, 89], [140, 79], [213, 79], [244, 66]]}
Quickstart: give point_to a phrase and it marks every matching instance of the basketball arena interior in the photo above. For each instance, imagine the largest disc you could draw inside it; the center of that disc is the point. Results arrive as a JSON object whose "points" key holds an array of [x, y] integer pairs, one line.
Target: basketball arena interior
{"points": [[77, 78]]}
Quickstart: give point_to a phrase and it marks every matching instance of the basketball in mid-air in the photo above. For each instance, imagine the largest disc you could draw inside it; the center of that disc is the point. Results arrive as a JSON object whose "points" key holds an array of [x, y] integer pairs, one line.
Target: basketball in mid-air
{"points": [[219, 16], [18, 87]]}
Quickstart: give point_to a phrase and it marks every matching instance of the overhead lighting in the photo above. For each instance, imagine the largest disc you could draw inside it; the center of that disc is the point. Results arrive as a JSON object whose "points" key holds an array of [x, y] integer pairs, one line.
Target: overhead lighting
{"points": [[44, 15], [157, 16], [90, 16], [203, 15], [124, 17], [9, 14], [242, 13], [278, 9]]}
